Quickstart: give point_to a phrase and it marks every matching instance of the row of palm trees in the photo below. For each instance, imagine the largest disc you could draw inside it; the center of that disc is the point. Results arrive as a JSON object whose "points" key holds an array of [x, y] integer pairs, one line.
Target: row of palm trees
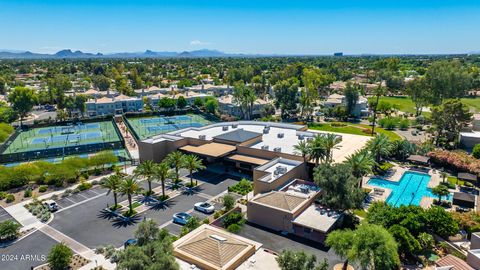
{"points": [[320, 148], [148, 170]]}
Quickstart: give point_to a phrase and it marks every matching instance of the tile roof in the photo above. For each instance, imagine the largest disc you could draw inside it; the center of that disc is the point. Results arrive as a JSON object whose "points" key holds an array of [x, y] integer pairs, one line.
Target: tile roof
{"points": [[455, 262], [280, 200]]}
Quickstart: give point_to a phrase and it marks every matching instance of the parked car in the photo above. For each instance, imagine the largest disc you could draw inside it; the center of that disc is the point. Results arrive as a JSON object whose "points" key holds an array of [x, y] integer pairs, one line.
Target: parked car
{"points": [[181, 218], [51, 204], [130, 242], [204, 207]]}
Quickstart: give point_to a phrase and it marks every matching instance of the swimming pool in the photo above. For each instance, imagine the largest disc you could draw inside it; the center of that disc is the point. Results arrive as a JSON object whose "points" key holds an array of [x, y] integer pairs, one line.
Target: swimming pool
{"points": [[410, 190]]}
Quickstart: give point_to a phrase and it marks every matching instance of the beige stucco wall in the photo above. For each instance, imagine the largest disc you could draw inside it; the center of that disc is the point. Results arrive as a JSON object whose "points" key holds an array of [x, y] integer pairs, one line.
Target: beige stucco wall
{"points": [[277, 219]]}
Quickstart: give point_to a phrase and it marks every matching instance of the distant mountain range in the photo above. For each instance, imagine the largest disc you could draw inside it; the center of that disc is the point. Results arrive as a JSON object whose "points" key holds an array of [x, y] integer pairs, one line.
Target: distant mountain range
{"points": [[69, 54]]}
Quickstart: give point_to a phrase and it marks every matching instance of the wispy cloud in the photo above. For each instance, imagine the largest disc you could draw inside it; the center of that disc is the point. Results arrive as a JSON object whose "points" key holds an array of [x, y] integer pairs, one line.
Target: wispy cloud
{"points": [[199, 43]]}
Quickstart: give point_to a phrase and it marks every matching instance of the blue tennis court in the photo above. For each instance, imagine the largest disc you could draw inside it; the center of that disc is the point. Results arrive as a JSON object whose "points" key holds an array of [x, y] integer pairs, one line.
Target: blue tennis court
{"points": [[68, 129]]}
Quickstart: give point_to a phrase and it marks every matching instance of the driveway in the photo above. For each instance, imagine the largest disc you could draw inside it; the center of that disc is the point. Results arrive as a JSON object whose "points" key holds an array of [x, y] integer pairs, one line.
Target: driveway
{"points": [[276, 242], [29, 251]]}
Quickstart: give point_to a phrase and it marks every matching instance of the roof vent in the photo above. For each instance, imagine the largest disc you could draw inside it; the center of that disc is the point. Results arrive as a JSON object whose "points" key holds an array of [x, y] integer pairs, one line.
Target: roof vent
{"points": [[202, 137], [218, 238], [264, 147], [234, 125], [280, 135], [225, 128], [277, 149], [301, 136], [266, 130]]}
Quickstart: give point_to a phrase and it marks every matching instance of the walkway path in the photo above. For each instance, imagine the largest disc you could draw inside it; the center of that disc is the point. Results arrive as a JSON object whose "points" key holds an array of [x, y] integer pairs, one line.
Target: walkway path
{"points": [[130, 142]]}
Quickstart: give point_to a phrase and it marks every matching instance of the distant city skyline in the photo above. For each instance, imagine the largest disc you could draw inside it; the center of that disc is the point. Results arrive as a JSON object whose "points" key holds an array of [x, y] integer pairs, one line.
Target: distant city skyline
{"points": [[251, 27]]}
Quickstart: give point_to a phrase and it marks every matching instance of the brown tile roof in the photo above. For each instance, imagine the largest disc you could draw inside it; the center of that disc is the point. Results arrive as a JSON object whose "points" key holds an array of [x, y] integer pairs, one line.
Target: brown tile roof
{"points": [[455, 262], [280, 200]]}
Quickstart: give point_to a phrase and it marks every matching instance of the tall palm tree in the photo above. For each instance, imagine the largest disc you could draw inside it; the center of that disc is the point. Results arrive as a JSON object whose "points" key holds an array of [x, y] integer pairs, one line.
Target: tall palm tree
{"points": [[380, 147], [193, 163], [317, 149], [378, 92], [161, 172], [129, 186], [112, 183], [361, 163], [330, 142], [175, 159], [302, 148], [145, 169]]}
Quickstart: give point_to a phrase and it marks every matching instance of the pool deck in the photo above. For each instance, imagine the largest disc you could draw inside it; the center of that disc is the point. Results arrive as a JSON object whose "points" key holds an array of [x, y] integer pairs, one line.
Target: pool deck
{"points": [[395, 176]]}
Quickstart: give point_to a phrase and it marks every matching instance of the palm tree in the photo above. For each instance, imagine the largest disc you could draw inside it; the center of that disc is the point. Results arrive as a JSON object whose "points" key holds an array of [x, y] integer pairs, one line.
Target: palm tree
{"points": [[113, 184], [129, 186], [380, 147], [145, 169], [175, 159], [317, 149], [193, 163], [330, 142], [379, 91], [162, 172], [302, 148], [361, 163]]}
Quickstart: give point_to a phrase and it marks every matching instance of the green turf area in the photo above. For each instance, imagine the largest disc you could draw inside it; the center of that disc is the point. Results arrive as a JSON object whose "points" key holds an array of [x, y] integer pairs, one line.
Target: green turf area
{"points": [[472, 103], [63, 136], [146, 127], [350, 128], [405, 104]]}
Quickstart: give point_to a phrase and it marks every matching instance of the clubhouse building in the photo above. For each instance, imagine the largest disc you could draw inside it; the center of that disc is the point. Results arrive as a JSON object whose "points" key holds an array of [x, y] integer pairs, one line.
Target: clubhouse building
{"points": [[283, 189]]}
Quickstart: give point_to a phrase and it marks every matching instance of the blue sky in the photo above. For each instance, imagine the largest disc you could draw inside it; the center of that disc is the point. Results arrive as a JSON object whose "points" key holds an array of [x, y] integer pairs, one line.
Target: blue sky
{"points": [[277, 26]]}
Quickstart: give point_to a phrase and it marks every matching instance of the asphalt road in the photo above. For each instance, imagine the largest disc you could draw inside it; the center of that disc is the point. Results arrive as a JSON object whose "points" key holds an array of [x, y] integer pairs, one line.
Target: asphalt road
{"points": [[29, 251]]}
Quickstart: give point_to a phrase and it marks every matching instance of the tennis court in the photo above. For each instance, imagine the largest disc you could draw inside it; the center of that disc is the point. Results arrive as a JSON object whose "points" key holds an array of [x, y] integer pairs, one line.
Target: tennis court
{"points": [[63, 136], [146, 127]]}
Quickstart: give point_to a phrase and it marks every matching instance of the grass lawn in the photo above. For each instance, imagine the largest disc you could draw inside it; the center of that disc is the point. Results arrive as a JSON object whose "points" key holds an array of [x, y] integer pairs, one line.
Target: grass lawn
{"points": [[351, 128], [472, 103], [360, 212], [455, 180], [405, 104], [136, 204]]}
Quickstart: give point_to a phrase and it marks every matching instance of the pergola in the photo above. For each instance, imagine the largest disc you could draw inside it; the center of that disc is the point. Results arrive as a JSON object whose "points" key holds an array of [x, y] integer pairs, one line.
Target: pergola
{"points": [[419, 159], [467, 176]]}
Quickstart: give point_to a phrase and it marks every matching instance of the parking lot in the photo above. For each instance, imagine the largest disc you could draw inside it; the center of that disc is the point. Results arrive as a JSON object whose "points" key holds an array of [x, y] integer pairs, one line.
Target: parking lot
{"points": [[4, 215], [276, 242], [80, 197]]}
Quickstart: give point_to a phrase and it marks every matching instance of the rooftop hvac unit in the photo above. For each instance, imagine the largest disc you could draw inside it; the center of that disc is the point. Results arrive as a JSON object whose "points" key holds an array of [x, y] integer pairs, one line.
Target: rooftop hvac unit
{"points": [[264, 147], [277, 149], [301, 137], [281, 169], [280, 135], [202, 137], [266, 130], [225, 128], [234, 125]]}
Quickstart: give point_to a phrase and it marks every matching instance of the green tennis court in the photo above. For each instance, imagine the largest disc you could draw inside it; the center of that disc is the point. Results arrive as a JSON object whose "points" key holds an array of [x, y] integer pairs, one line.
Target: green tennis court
{"points": [[146, 127], [63, 136]]}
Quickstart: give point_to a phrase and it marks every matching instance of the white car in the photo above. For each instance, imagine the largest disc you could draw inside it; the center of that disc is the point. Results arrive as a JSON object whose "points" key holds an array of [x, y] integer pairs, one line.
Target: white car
{"points": [[51, 204], [204, 207]]}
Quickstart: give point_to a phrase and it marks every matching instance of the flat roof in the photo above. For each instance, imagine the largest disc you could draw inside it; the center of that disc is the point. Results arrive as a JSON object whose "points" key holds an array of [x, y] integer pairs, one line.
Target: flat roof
{"points": [[212, 248], [276, 168], [248, 159], [316, 218], [238, 135], [464, 197], [418, 158], [210, 149], [467, 176]]}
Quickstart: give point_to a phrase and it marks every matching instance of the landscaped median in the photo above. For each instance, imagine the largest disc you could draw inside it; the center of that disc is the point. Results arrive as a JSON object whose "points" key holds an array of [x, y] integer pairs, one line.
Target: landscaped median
{"points": [[352, 128]]}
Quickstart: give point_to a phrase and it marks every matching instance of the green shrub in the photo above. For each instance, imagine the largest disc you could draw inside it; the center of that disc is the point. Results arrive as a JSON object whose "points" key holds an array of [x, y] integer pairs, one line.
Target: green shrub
{"points": [[27, 193], [9, 230], [10, 198], [448, 185], [84, 186], [234, 218], [234, 228], [476, 151], [3, 195], [243, 187], [42, 189], [404, 124]]}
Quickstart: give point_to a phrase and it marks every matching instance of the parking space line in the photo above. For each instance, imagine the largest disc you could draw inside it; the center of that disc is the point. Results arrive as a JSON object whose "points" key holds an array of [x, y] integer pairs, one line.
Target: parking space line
{"points": [[81, 202], [81, 195], [68, 199], [94, 191]]}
